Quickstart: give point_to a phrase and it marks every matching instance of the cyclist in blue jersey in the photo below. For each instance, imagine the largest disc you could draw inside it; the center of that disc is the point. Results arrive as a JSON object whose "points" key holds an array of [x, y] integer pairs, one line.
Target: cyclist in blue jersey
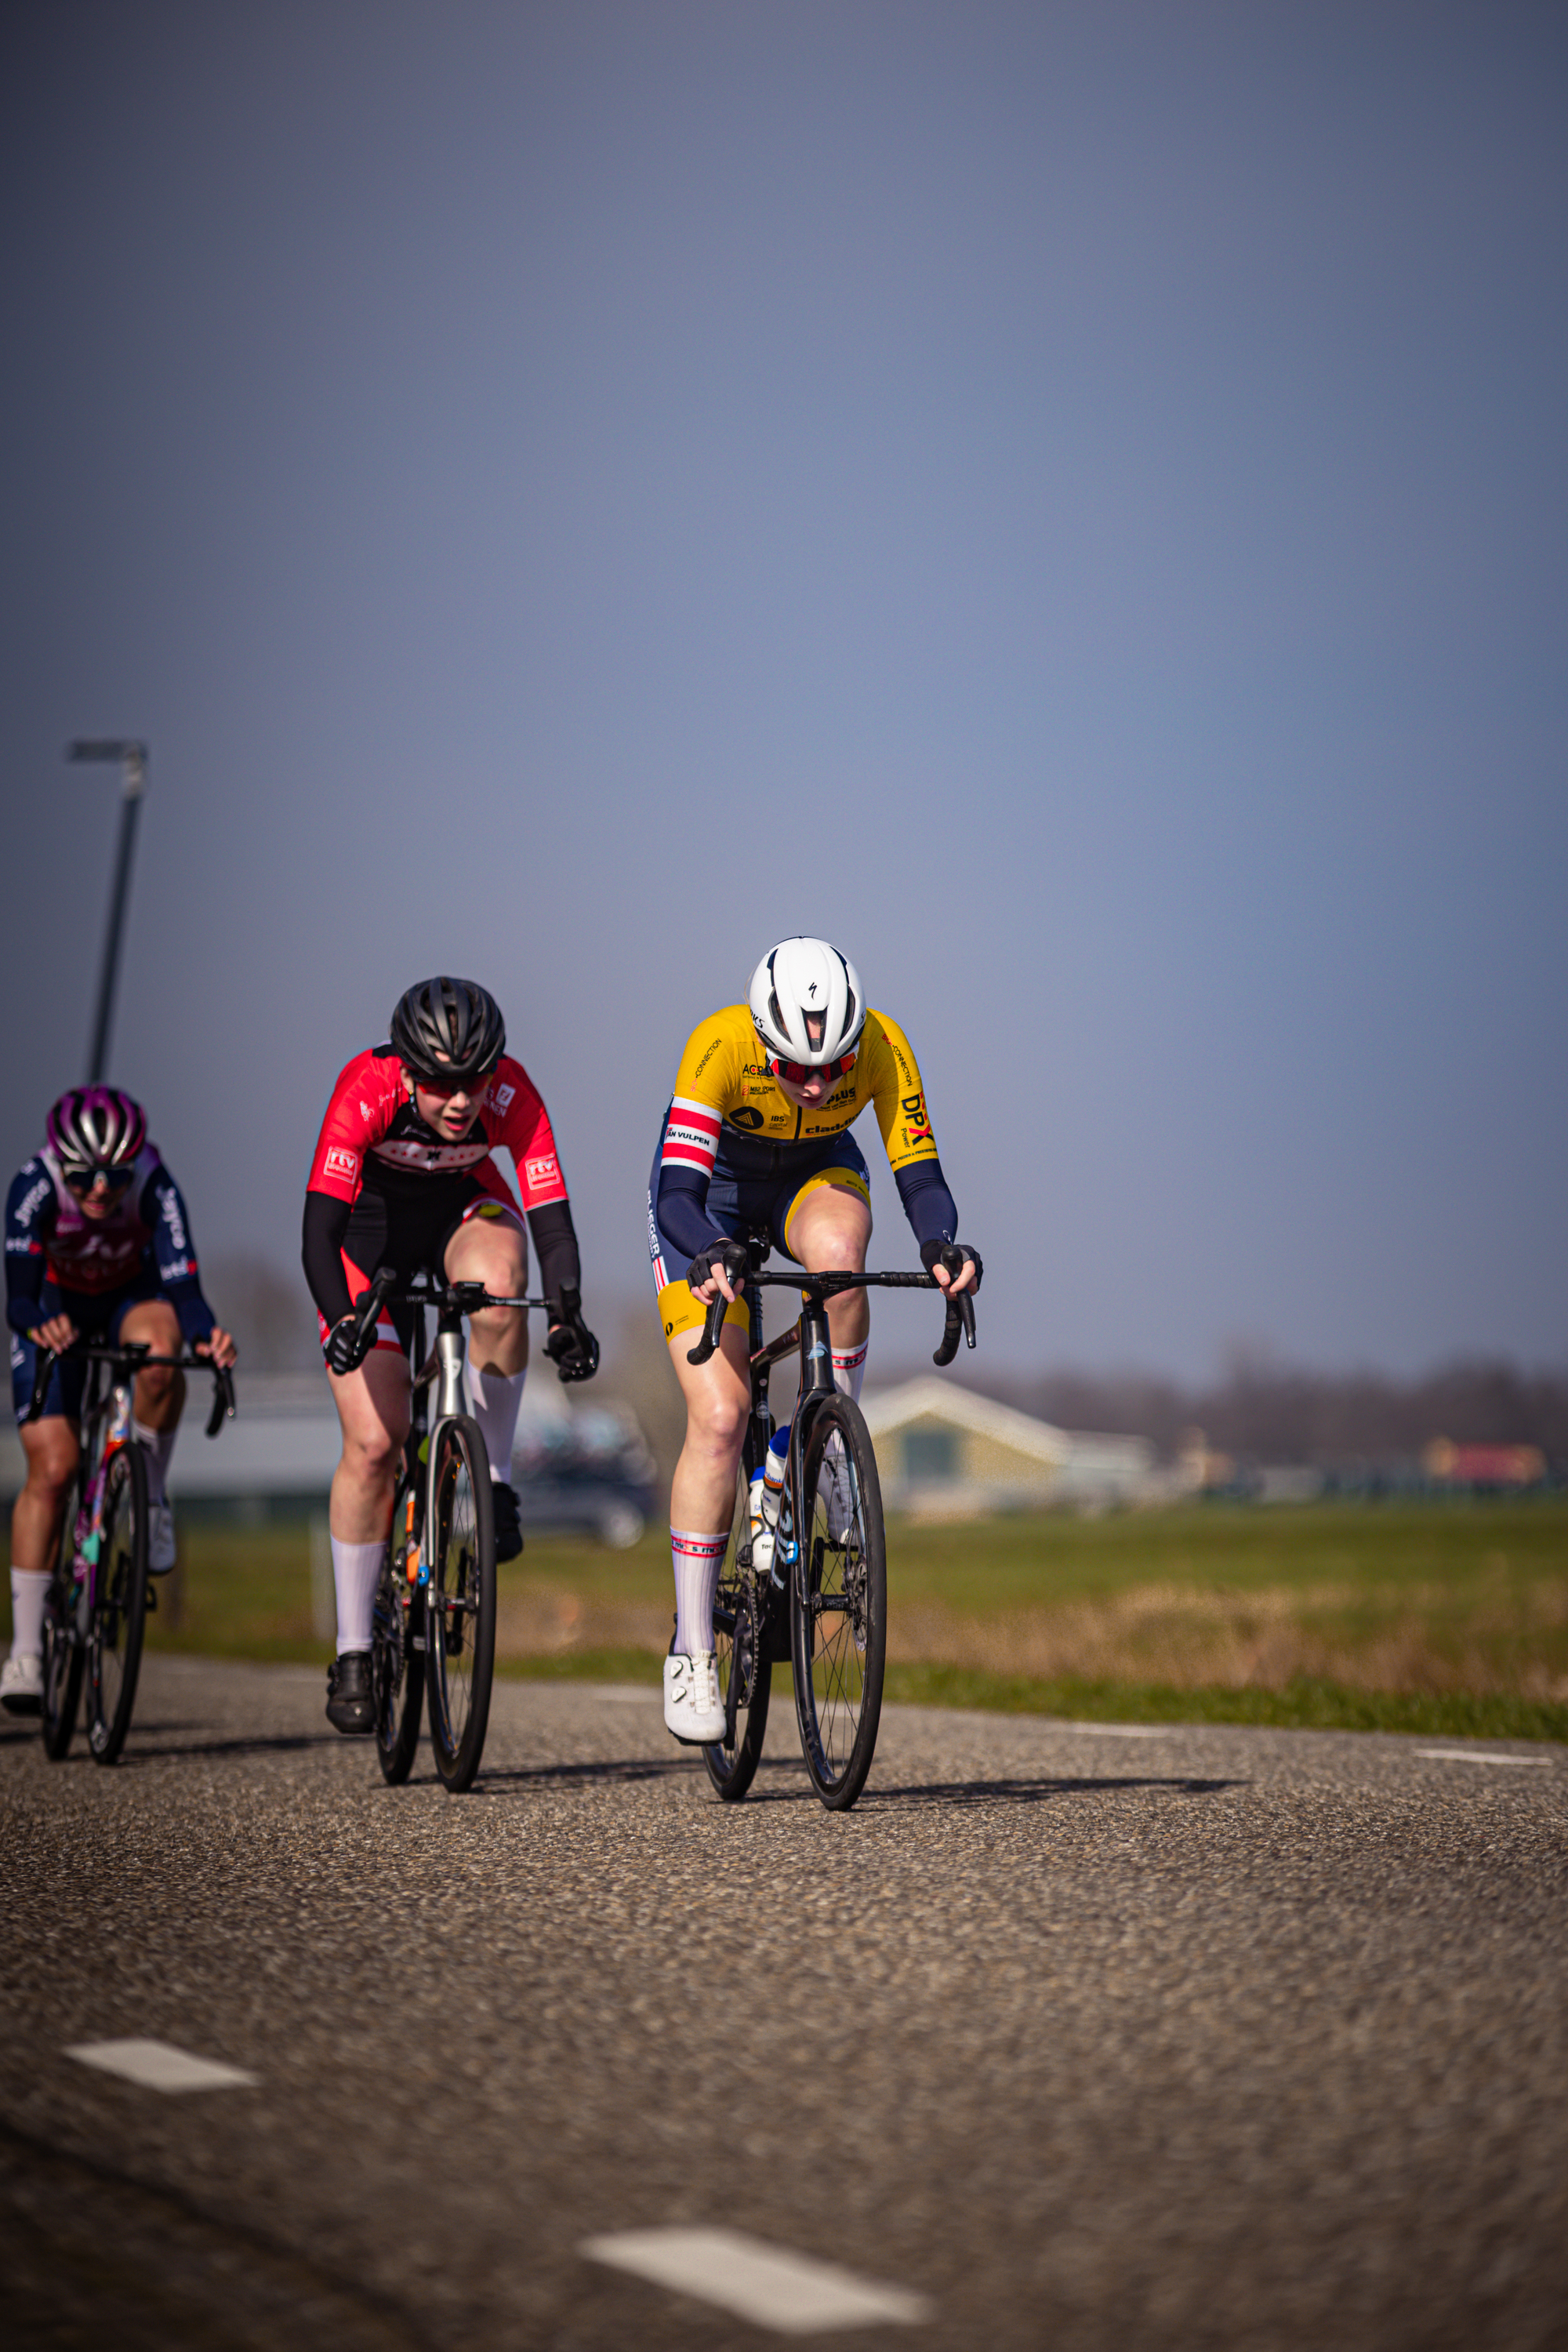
{"points": [[98, 1244]]}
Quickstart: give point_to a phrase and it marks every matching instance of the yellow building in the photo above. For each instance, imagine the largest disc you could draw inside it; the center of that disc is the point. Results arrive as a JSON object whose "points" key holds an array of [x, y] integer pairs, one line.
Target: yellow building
{"points": [[945, 1452]]}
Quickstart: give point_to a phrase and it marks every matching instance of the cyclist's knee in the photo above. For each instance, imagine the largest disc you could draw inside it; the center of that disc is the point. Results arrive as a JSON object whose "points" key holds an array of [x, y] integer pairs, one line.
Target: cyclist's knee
{"points": [[52, 1455], [371, 1455], [717, 1422]]}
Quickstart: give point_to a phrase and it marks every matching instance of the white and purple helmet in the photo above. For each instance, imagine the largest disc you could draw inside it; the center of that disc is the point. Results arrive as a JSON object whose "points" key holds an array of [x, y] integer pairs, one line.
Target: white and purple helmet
{"points": [[96, 1126]]}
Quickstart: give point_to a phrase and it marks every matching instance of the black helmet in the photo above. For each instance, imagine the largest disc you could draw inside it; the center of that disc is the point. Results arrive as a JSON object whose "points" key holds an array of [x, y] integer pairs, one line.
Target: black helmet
{"points": [[448, 1029], [96, 1126]]}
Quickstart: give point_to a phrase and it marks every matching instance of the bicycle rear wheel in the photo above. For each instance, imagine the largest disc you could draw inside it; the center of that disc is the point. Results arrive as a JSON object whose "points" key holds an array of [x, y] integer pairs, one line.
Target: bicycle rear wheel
{"points": [[745, 1671], [460, 1601], [838, 1604], [396, 1671], [120, 1605], [64, 1657]]}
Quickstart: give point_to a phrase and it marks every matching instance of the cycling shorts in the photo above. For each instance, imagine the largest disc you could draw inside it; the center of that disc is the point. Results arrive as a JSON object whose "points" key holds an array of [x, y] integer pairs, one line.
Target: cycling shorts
{"points": [[411, 1236], [98, 1315], [738, 1203]]}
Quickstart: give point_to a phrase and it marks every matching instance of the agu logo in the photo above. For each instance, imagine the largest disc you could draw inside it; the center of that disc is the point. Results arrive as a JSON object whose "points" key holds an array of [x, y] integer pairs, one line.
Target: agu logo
{"points": [[340, 1162], [541, 1172]]}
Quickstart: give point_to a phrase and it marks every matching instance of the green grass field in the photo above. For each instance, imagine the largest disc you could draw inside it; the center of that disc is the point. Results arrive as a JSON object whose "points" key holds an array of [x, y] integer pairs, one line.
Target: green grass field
{"points": [[1431, 1618]]}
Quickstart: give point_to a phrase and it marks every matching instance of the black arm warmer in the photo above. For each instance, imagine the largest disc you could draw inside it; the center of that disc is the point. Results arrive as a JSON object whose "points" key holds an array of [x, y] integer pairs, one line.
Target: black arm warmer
{"points": [[326, 1224], [928, 1203], [555, 1246], [23, 1292]]}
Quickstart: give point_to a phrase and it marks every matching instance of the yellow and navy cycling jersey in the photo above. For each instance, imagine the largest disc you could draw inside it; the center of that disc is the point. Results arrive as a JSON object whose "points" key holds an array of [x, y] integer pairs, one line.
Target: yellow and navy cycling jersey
{"points": [[731, 1124], [725, 1099]]}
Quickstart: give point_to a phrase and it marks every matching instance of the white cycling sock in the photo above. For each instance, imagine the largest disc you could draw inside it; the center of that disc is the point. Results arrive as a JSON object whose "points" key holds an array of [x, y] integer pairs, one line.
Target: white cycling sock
{"points": [[849, 1369], [158, 1444], [696, 1562], [495, 1398], [28, 1586], [357, 1569]]}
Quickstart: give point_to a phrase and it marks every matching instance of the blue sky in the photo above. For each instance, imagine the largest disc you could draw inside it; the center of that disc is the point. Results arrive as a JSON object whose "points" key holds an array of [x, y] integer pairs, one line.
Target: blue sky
{"points": [[1068, 502]]}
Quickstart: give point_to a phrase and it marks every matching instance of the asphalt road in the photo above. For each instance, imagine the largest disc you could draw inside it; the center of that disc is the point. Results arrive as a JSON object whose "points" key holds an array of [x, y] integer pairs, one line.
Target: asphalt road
{"points": [[1211, 2037]]}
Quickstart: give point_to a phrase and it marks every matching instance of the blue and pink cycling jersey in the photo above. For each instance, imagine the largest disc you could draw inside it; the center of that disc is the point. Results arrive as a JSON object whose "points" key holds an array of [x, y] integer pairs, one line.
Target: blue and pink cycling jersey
{"points": [[59, 1260]]}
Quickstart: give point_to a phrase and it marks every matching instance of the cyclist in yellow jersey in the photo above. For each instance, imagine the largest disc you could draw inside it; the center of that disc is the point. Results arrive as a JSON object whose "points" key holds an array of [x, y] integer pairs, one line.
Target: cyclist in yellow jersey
{"points": [[757, 1134]]}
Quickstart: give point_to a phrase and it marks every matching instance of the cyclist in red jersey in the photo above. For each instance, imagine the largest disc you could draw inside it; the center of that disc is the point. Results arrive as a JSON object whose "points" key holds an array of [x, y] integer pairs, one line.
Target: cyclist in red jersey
{"points": [[402, 1177]]}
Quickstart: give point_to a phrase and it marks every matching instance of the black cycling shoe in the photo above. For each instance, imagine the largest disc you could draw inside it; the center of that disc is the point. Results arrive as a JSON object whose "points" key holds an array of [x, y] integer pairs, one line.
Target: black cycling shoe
{"points": [[350, 1705], [508, 1525]]}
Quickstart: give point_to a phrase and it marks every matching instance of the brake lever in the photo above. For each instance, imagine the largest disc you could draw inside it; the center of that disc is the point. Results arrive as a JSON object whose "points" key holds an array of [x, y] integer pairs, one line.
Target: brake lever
{"points": [[47, 1358], [959, 1318], [223, 1399], [714, 1325]]}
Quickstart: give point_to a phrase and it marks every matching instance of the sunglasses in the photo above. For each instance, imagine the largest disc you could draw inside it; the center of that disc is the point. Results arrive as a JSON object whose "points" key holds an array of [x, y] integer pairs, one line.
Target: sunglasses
{"points": [[443, 1090], [800, 1074], [83, 1180]]}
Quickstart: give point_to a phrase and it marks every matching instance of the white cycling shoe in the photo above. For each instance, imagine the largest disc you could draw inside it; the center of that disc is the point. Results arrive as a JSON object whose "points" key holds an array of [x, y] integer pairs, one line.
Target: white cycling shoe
{"points": [[160, 1539], [22, 1685], [693, 1709]]}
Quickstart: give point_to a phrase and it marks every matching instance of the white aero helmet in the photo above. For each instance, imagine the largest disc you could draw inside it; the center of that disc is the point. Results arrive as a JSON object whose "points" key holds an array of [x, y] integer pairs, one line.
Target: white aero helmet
{"points": [[805, 1000]]}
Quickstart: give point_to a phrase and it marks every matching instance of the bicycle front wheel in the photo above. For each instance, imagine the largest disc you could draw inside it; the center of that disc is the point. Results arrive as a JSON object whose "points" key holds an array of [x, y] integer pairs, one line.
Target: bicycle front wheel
{"points": [[120, 1604], [396, 1671], [745, 1670], [838, 1604], [460, 1603], [64, 1657]]}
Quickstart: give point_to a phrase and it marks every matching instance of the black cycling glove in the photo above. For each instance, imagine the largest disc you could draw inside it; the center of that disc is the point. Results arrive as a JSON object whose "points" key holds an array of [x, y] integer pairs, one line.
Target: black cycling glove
{"points": [[346, 1349], [571, 1345], [732, 1254], [953, 1255]]}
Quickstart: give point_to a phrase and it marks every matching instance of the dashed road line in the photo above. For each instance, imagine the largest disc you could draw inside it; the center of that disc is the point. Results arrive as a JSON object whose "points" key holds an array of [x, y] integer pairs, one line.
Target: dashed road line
{"points": [[159, 2066], [771, 2285], [1128, 1730], [1474, 1756]]}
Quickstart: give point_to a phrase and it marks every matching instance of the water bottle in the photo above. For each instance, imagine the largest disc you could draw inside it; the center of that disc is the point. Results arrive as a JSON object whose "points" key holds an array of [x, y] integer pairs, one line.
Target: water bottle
{"points": [[767, 1487]]}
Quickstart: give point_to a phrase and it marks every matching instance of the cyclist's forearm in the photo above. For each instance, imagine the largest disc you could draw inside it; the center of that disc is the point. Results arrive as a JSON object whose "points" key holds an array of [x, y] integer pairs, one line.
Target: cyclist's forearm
{"points": [[320, 1251], [683, 1210], [928, 1205], [197, 1320], [23, 1293], [555, 1247]]}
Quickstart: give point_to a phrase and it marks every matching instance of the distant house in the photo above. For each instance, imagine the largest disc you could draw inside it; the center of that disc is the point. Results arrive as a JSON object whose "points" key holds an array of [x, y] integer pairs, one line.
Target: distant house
{"points": [[1448, 1464], [945, 1452]]}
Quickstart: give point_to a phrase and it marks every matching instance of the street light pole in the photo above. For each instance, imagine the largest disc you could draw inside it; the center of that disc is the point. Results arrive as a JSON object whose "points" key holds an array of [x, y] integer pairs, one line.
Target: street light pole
{"points": [[133, 759]]}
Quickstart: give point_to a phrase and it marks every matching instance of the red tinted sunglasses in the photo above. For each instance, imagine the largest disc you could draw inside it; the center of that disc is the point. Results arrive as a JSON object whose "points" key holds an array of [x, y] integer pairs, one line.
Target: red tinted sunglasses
{"points": [[80, 1180], [800, 1074]]}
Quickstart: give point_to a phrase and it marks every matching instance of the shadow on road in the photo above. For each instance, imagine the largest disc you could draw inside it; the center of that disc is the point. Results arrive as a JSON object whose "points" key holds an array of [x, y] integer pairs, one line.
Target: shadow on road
{"points": [[1017, 1792]]}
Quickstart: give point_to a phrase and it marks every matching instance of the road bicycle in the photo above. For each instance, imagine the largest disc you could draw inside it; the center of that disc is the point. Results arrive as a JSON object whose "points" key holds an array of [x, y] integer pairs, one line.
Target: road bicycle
{"points": [[96, 1608], [821, 1605], [436, 1600]]}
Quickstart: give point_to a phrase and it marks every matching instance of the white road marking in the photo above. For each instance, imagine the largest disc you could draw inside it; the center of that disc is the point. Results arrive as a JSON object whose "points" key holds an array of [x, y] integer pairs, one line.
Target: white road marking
{"points": [[1474, 1756], [1127, 1730], [771, 2285], [159, 2066]]}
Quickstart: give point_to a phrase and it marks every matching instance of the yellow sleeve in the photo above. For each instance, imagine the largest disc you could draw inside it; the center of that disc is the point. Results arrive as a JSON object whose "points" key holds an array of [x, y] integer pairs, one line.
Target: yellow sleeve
{"points": [[899, 1093], [710, 1070]]}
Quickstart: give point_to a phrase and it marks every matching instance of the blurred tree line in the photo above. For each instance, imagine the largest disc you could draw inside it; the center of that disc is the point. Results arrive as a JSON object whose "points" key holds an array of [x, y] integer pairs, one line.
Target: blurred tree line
{"points": [[1263, 1412]]}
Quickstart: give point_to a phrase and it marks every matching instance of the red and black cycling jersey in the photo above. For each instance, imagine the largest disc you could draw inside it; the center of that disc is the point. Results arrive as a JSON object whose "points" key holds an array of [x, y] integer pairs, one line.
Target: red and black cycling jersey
{"points": [[383, 1181]]}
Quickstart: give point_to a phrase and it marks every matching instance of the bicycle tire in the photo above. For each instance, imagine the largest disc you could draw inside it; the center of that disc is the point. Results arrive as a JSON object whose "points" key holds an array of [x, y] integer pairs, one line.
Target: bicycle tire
{"points": [[838, 1603], [63, 1658], [460, 1601], [732, 1764], [396, 1673], [119, 1623]]}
